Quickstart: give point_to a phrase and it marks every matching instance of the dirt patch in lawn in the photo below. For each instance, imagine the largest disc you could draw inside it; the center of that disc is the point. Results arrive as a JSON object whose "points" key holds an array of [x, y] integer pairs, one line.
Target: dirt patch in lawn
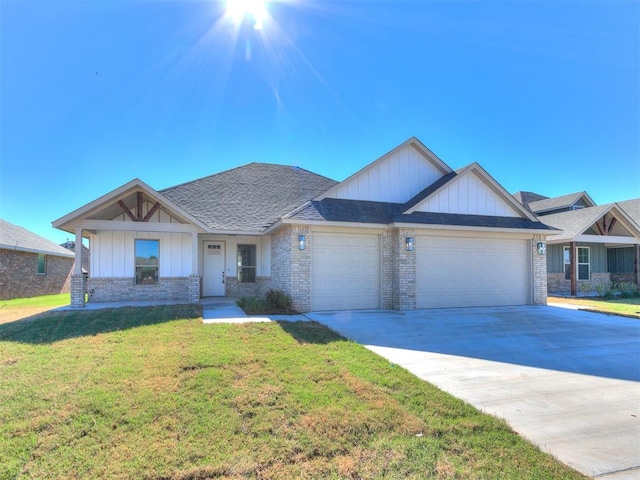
{"points": [[11, 314]]}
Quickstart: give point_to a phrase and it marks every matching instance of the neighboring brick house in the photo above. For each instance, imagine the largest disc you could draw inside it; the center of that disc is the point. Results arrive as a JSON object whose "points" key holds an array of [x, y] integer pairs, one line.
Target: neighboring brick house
{"points": [[86, 263], [31, 265], [596, 244], [404, 232]]}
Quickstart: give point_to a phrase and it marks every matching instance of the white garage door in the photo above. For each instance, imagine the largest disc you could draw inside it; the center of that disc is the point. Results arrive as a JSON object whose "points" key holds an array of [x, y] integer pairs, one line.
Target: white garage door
{"points": [[345, 271], [471, 272]]}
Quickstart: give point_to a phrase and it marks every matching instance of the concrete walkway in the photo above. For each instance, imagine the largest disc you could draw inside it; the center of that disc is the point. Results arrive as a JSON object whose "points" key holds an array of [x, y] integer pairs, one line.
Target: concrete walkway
{"points": [[567, 380]]}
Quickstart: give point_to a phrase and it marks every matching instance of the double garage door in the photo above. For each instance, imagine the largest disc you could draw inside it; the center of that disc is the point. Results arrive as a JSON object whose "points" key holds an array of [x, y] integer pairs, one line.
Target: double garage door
{"points": [[450, 272], [471, 272]]}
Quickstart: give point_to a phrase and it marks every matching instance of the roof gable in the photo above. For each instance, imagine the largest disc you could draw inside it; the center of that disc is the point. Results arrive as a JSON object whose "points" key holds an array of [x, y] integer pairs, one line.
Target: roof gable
{"points": [[472, 191], [598, 221], [564, 202], [133, 201], [395, 177], [14, 237]]}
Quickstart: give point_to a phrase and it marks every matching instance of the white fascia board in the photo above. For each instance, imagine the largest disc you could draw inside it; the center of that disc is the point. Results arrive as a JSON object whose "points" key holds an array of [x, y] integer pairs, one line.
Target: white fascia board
{"points": [[35, 250], [421, 226], [119, 225], [599, 239]]}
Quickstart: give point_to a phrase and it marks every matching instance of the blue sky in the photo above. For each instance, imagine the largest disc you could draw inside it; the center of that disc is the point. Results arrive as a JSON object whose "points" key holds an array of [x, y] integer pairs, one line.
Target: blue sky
{"points": [[545, 95]]}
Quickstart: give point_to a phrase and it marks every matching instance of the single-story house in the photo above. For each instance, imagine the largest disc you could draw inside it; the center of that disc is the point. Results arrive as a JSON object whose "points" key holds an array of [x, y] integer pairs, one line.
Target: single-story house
{"points": [[404, 232], [598, 244], [31, 265]]}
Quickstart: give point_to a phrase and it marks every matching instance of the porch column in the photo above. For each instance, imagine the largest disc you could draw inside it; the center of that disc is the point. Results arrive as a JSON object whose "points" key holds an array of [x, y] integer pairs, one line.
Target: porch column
{"points": [[77, 278], [194, 253], [636, 267], [572, 266], [194, 278]]}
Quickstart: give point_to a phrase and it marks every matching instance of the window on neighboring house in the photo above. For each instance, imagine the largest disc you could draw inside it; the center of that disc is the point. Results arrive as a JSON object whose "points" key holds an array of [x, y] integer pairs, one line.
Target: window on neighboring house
{"points": [[246, 263], [147, 253], [42, 264], [583, 263]]}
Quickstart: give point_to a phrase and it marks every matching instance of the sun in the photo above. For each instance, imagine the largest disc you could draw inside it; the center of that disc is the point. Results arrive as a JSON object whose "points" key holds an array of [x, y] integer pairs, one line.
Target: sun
{"points": [[255, 10]]}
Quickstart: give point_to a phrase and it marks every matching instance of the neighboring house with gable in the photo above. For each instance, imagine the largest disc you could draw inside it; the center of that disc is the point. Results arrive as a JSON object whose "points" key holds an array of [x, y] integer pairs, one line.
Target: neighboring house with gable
{"points": [[31, 265], [404, 232], [597, 244]]}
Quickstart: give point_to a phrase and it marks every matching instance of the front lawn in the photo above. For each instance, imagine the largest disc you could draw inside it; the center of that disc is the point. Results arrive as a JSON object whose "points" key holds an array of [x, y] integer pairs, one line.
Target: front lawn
{"points": [[152, 393], [625, 306]]}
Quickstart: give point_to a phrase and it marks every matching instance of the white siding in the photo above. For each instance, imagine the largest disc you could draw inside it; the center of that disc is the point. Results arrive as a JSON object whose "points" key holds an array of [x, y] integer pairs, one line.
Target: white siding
{"points": [[112, 253], [397, 178], [468, 194]]}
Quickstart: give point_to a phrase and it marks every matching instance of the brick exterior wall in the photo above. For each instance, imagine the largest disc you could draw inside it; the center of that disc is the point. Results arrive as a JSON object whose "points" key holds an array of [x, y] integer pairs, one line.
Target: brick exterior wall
{"points": [[117, 289], [19, 277], [561, 286], [257, 289], [290, 266], [78, 288], [388, 268], [539, 266], [404, 271]]}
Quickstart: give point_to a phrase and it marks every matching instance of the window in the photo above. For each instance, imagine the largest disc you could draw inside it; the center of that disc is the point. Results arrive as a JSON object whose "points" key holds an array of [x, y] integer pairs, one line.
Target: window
{"points": [[246, 263], [147, 252], [583, 263], [42, 264]]}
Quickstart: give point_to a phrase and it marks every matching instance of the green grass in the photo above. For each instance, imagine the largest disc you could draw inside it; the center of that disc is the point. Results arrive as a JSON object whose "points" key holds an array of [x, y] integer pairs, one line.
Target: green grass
{"points": [[624, 306], [152, 393], [43, 301]]}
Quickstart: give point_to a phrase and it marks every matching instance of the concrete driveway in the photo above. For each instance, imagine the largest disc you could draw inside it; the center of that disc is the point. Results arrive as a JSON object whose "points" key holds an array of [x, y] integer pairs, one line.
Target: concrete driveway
{"points": [[567, 380]]}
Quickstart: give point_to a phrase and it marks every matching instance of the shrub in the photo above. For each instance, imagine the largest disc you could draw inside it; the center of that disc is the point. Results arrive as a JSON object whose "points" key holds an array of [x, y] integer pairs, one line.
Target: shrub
{"points": [[252, 305], [275, 301], [605, 290], [278, 300], [585, 287], [627, 289]]}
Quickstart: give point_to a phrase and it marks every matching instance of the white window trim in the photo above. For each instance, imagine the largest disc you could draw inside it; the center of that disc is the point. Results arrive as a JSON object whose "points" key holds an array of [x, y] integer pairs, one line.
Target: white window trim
{"points": [[588, 264], [135, 264]]}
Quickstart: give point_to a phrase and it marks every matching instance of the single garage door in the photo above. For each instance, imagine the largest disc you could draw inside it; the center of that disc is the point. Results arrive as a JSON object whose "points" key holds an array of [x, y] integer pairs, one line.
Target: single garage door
{"points": [[345, 271], [471, 272]]}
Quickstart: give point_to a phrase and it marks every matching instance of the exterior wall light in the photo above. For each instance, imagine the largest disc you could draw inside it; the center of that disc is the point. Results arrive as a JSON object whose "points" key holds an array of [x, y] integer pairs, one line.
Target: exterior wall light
{"points": [[301, 242], [542, 248], [409, 244]]}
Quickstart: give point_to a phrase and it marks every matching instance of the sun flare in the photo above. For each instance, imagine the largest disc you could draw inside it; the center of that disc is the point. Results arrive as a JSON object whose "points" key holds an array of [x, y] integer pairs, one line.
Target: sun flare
{"points": [[254, 10]]}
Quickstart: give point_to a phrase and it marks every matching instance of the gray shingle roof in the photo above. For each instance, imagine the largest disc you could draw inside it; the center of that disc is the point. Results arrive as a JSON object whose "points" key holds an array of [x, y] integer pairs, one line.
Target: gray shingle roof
{"points": [[565, 201], [248, 198], [574, 222], [525, 198], [13, 237], [632, 208], [338, 210]]}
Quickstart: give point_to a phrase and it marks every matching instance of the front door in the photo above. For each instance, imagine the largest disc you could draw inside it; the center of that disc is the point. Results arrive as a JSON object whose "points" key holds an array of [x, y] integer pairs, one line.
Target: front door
{"points": [[213, 270]]}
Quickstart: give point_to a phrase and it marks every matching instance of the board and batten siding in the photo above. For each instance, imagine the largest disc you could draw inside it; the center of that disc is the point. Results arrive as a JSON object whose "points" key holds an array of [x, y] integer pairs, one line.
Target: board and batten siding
{"points": [[397, 178], [112, 253], [468, 194], [597, 257]]}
